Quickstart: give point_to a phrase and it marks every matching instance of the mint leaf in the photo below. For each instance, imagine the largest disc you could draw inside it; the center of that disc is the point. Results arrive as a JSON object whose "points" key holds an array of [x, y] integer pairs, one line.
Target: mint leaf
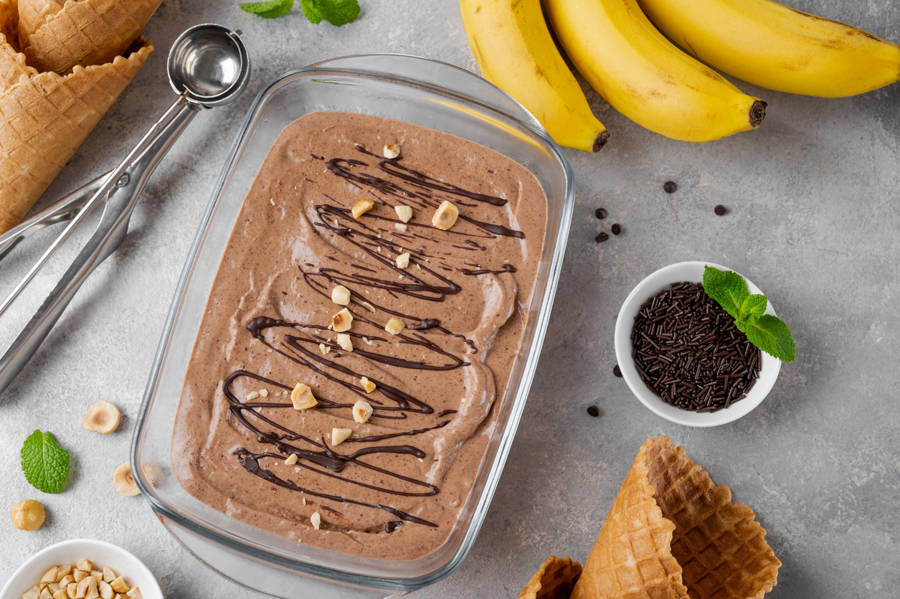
{"points": [[771, 335], [336, 12], [753, 306], [268, 9], [728, 288], [44, 462]]}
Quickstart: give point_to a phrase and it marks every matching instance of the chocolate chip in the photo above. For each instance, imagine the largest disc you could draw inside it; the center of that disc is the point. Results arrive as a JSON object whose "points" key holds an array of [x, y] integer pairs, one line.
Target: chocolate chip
{"points": [[616, 229], [593, 411], [617, 371], [670, 186], [601, 213], [720, 210], [601, 237]]}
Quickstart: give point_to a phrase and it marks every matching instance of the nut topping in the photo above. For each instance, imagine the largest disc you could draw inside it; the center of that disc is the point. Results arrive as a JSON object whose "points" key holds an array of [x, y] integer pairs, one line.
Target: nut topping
{"points": [[315, 520], [343, 339], [340, 295], [361, 207], [404, 213], [445, 216], [28, 515], [302, 397], [391, 151], [339, 435], [291, 460], [342, 321], [362, 411], [394, 326], [368, 385], [403, 260]]}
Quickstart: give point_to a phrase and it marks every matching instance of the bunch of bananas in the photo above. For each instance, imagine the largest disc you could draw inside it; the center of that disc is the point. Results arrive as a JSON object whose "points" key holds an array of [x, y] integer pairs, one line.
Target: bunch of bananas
{"points": [[630, 61]]}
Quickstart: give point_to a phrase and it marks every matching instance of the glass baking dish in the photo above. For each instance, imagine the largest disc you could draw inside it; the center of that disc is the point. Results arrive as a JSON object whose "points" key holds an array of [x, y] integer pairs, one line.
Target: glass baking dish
{"points": [[415, 90]]}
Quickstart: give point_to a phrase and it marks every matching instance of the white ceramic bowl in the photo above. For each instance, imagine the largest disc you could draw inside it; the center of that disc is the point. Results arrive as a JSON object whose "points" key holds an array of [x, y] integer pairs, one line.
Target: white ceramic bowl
{"points": [[68, 552], [646, 289]]}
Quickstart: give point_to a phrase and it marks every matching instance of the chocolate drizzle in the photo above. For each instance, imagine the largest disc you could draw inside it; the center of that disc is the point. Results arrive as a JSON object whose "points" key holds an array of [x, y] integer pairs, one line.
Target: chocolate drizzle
{"points": [[301, 343]]}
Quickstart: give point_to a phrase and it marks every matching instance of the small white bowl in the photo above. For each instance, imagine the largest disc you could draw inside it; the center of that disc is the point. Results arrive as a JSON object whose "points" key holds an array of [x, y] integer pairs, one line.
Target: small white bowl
{"points": [[101, 553], [646, 289]]}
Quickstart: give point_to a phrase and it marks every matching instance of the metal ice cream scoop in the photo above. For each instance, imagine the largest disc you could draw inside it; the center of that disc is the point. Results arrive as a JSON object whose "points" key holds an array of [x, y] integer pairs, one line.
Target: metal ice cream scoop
{"points": [[207, 66]]}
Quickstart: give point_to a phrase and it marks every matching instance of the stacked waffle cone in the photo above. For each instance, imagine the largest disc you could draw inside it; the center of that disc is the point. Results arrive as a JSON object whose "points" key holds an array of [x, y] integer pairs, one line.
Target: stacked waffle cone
{"points": [[62, 65], [671, 534]]}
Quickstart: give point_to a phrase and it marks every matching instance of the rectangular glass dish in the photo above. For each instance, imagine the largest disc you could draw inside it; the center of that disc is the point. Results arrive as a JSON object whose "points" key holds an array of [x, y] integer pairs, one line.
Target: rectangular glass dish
{"points": [[417, 91]]}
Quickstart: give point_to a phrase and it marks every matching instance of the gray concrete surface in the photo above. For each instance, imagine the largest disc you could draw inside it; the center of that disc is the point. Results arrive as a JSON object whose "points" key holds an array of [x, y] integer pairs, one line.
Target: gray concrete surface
{"points": [[814, 220]]}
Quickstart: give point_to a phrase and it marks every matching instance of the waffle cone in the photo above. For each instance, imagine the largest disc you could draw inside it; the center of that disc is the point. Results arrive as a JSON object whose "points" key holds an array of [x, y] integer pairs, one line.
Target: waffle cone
{"points": [[56, 36], [673, 534], [553, 580]]}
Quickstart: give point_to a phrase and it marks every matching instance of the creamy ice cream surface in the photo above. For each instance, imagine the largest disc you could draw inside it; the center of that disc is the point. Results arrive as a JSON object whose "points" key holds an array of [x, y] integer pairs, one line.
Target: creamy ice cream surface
{"points": [[329, 224]]}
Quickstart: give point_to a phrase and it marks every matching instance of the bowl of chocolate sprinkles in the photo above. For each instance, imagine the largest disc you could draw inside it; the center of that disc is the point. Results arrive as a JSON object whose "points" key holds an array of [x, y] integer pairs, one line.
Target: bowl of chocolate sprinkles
{"points": [[681, 354]]}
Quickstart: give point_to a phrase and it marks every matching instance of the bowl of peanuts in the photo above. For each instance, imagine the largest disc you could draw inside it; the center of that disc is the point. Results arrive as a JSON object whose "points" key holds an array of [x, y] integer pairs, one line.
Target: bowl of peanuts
{"points": [[84, 569]]}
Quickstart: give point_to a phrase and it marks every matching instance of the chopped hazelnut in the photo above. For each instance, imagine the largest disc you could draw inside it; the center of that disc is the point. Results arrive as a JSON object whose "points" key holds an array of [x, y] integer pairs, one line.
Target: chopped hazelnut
{"points": [[340, 295], [102, 417], [394, 325], [403, 260], [361, 207], [315, 520], [404, 213], [362, 411], [339, 435], [400, 227], [124, 483], [368, 385], [302, 397], [342, 321], [119, 585], [291, 459], [324, 348], [109, 574], [252, 395], [445, 216], [343, 339], [391, 151]]}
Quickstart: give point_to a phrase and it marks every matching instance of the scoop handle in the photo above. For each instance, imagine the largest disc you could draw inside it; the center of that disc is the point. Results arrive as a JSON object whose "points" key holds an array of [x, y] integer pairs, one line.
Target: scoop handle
{"points": [[122, 186]]}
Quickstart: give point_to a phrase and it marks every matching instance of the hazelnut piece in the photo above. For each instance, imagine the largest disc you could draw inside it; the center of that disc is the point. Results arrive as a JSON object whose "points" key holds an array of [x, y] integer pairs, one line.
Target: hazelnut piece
{"points": [[102, 417], [391, 151], [362, 411], [445, 216], [361, 207], [403, 260], [340, 295], [342, 321], [339, 435], [404, 213], [302, 397], [366, 384], [124, 482], [394, 326], [343, 339]]}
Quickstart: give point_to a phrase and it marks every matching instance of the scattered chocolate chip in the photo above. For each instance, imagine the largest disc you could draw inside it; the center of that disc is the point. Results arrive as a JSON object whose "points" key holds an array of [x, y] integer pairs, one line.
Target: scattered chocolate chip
{"points": [[601, 237], [601, 213], [616, 229], [720, 210], [670, 186], [617, 371], [593, 411]]}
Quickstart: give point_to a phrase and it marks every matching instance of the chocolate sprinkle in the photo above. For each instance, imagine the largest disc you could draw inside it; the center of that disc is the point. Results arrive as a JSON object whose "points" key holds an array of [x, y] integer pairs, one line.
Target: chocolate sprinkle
{"points": [[670, 187], [616, 229], [720, 210], [593, 411], [601, 213], [603, 236], [687, 349], [617, 371]]}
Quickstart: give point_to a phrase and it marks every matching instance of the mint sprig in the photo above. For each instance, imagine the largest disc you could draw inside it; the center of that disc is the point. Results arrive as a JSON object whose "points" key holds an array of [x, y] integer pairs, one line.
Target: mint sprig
{"points": [[44, 462], [765, 331], [336, 12]]}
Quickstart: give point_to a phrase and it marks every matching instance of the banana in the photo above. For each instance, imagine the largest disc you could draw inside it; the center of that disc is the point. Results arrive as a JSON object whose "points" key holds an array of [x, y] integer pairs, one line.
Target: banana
{"points": [[515, 52], [774, 46], [644, 76]]}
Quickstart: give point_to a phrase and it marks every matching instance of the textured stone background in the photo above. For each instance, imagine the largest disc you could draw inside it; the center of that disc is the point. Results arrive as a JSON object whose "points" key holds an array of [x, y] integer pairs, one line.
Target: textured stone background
{"points": [[814, 220]]}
